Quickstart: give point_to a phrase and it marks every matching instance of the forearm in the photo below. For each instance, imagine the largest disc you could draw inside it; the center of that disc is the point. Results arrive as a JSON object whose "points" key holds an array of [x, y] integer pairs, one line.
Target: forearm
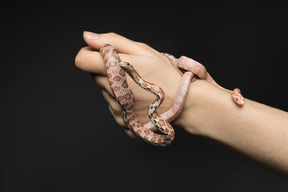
{"points": [[257, 130]]}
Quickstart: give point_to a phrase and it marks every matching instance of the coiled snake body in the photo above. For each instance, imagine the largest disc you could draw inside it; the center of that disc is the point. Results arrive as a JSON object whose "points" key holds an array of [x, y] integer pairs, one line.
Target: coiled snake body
{"points": [[124, 96], [188, 68]]}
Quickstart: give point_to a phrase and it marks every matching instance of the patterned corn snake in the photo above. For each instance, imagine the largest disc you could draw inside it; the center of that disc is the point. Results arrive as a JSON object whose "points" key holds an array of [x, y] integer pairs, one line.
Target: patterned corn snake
{"points": [[188, 68]]}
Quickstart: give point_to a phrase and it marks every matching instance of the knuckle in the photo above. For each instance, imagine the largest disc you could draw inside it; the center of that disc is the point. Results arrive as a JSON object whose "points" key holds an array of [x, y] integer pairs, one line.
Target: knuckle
{"points": [[103, 83], [120, 121], [143, 45], [116, 110], [117, 115], [113, 36]]}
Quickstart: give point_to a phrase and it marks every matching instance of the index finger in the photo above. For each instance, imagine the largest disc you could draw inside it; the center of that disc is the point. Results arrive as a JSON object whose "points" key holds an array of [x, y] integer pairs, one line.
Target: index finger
{"points": [[90, 60], [119, 43]]}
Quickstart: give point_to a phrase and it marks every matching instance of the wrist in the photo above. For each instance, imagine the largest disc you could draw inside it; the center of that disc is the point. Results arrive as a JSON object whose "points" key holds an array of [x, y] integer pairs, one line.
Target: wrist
{"points": [[204, 106], [194, 100]]}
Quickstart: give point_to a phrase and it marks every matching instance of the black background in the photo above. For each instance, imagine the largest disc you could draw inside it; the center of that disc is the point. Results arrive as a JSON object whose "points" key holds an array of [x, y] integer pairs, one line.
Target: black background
{"points": [[56, 131]]}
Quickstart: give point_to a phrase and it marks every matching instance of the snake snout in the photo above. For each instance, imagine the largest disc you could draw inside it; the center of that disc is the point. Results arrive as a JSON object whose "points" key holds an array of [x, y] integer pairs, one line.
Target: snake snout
{"points": [[124, 63], [126, 66]]}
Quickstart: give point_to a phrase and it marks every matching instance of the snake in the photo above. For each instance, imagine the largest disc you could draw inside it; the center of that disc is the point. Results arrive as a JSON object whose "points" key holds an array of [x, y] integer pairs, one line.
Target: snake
{"points": [[185, 64], [124, 96], [189, 69]]}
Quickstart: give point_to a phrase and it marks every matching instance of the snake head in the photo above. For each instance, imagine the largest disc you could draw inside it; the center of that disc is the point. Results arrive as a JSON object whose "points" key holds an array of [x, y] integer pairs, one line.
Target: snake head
{"points": [[127, 67]]}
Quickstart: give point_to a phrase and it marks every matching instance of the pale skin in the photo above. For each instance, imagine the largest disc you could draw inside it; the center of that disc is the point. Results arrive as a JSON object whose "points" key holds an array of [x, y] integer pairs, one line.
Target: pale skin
{"points": [[256, 130]]}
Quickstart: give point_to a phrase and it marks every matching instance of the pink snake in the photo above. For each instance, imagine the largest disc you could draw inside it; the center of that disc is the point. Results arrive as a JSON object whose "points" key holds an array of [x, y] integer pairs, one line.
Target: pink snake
{"points": [[188, 68]]}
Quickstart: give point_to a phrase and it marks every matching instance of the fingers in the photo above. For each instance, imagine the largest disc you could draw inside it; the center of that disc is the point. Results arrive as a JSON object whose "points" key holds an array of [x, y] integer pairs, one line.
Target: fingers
{"points": [[120, 43], [114, 107], [102, 82], [89, 60], [115, 110]]}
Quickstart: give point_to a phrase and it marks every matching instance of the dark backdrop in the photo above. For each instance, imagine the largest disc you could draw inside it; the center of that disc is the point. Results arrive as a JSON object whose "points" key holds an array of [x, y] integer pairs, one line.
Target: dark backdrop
{"points": [[56, 131]]}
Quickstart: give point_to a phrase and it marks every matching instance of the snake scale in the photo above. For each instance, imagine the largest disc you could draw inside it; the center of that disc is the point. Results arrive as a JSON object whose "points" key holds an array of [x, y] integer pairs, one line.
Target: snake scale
{"points": [[188, 68]]}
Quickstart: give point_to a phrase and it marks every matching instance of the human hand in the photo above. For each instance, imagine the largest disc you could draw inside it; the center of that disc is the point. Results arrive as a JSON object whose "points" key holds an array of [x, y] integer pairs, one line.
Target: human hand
{"points": [[152, 65], [257, 130]]}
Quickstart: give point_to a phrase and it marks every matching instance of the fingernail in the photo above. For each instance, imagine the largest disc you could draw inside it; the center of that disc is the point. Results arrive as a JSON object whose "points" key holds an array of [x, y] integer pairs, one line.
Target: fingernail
{"points": [[90, 35]]}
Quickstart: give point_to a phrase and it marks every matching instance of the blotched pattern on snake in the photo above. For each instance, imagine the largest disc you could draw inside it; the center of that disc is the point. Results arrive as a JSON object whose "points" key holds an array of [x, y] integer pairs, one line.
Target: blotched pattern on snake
{"points": [[124, 96], [188, 68]]}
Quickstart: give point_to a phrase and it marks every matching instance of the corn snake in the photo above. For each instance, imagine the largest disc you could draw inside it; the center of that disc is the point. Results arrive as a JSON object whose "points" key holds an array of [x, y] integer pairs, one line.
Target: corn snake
{"points": [[188, 68]]}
